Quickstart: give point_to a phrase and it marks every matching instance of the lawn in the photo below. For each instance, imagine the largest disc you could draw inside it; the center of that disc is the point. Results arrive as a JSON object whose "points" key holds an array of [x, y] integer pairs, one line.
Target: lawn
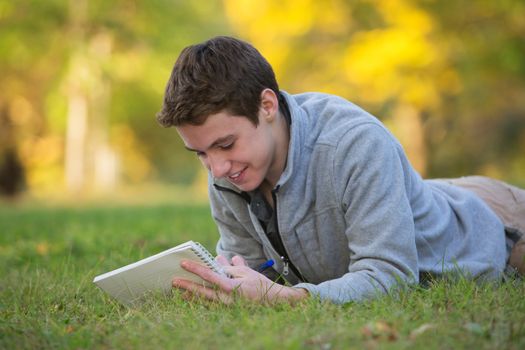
{"points": [[49, 256]]}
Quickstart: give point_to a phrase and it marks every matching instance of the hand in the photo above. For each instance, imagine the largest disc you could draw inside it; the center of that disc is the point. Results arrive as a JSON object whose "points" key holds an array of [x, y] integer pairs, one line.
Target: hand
{"points": [[245, 282]]}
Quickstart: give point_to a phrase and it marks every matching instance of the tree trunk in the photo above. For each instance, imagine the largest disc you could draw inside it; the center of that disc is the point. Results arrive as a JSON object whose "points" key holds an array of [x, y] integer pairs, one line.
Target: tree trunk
{"points": [[12, 175], [409, 129]]}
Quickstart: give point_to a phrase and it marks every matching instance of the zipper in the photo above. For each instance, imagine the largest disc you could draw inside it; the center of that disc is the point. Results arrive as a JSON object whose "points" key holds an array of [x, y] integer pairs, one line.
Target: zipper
{"points": [[287, 264]]}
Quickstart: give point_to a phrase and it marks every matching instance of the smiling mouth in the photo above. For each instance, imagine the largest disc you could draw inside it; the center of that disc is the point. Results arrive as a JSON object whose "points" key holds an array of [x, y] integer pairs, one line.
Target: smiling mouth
{"points": [[236, 175]]}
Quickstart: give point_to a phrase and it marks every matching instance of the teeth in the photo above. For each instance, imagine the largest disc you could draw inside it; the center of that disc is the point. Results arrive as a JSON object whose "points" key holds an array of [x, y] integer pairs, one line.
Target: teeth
{"points": [[233, 176]]}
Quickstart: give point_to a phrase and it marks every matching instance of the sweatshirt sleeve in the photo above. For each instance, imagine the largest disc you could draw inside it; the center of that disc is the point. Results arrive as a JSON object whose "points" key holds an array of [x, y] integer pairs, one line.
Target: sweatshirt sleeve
{"points": [[371, 177]]}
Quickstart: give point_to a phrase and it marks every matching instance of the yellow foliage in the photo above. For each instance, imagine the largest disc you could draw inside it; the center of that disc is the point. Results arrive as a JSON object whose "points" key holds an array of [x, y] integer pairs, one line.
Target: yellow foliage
{"points": [[22, 111], [43, 158], [135, 163], [408, 128], [200, 184], [398, 61], [405, 15], [128, 65], [374, 53], [448, 81], [272, 25], [6, 9], [259, 18]]}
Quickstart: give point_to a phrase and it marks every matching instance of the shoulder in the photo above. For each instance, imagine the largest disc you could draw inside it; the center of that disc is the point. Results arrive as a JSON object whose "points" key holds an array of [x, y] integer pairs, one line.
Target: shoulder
{"points": [[321, 105], [327, 119]]}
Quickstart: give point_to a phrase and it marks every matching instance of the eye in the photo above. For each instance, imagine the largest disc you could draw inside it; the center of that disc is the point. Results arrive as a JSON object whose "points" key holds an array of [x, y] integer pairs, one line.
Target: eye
{"points": [[227, 146], [200, 154]]}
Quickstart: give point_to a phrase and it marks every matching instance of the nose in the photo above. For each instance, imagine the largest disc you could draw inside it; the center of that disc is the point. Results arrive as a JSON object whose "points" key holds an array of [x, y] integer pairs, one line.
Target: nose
{"points": [[219, 166]]}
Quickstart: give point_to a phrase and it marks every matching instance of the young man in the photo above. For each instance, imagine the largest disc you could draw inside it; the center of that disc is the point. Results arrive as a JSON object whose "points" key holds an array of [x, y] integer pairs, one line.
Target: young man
{"points": [[321, 187]]}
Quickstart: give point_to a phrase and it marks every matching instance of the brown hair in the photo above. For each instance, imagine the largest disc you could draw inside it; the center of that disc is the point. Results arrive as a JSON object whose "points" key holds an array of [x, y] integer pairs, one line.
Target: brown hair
{"points": [[221, 74]]}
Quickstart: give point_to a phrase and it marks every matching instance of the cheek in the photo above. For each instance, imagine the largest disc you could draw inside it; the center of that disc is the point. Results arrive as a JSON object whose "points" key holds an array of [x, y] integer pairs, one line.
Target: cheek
{"points": [[264, 151]]}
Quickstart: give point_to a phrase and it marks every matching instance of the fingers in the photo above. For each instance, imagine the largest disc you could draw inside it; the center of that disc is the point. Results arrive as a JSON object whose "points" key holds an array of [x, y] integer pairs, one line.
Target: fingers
{"points": [[240, 271], [222, 260], [192, 290], [238, 261], [208, 275], [204, 272]]}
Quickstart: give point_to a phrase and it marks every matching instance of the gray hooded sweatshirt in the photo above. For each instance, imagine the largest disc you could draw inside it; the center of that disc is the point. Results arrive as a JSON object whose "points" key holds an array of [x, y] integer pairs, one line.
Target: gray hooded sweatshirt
{"points": [[354, 217]]}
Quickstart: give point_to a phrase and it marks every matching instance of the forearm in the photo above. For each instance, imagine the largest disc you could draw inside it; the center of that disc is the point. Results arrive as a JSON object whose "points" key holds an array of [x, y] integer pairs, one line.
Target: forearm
{"points": [[356, 286]]}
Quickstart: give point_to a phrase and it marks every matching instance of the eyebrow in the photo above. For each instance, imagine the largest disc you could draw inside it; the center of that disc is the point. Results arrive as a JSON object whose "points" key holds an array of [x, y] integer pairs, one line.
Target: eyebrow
{"points": [[215, 143]]}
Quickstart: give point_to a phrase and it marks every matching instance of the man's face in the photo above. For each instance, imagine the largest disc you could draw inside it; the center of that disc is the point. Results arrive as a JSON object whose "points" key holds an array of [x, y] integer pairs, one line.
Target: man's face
{"points": [[233, 148]]}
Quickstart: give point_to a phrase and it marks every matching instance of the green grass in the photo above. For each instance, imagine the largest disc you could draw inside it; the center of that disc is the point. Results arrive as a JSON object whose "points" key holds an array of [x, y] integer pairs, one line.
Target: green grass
{"points": [[49, 256]]}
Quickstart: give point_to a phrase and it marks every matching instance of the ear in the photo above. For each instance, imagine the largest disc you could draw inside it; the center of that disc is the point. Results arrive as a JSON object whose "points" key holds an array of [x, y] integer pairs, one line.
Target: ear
{"points": [[269, 104]]}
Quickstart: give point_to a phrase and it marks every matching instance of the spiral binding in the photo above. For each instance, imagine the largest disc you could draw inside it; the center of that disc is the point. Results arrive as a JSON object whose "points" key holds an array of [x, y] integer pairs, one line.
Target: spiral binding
{"points": [[206, 256]]}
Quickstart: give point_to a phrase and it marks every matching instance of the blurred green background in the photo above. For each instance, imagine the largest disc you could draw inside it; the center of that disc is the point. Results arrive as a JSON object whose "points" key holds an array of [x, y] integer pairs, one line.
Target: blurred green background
{"points": [[81, 81]]}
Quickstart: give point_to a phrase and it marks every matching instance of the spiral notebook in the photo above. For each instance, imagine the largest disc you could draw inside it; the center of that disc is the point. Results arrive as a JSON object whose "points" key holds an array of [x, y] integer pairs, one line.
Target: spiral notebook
{"points": [[130, 283]]}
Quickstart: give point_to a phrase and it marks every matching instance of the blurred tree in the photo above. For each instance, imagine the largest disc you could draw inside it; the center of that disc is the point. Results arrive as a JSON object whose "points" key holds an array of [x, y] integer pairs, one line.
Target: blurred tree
{"points": [[481, 128], [11, 170], [26, 57], [83, 80]]}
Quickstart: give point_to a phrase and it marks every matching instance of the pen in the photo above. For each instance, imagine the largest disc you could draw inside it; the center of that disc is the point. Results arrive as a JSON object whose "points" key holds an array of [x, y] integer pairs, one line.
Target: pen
{"points": [[265, 265]]}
